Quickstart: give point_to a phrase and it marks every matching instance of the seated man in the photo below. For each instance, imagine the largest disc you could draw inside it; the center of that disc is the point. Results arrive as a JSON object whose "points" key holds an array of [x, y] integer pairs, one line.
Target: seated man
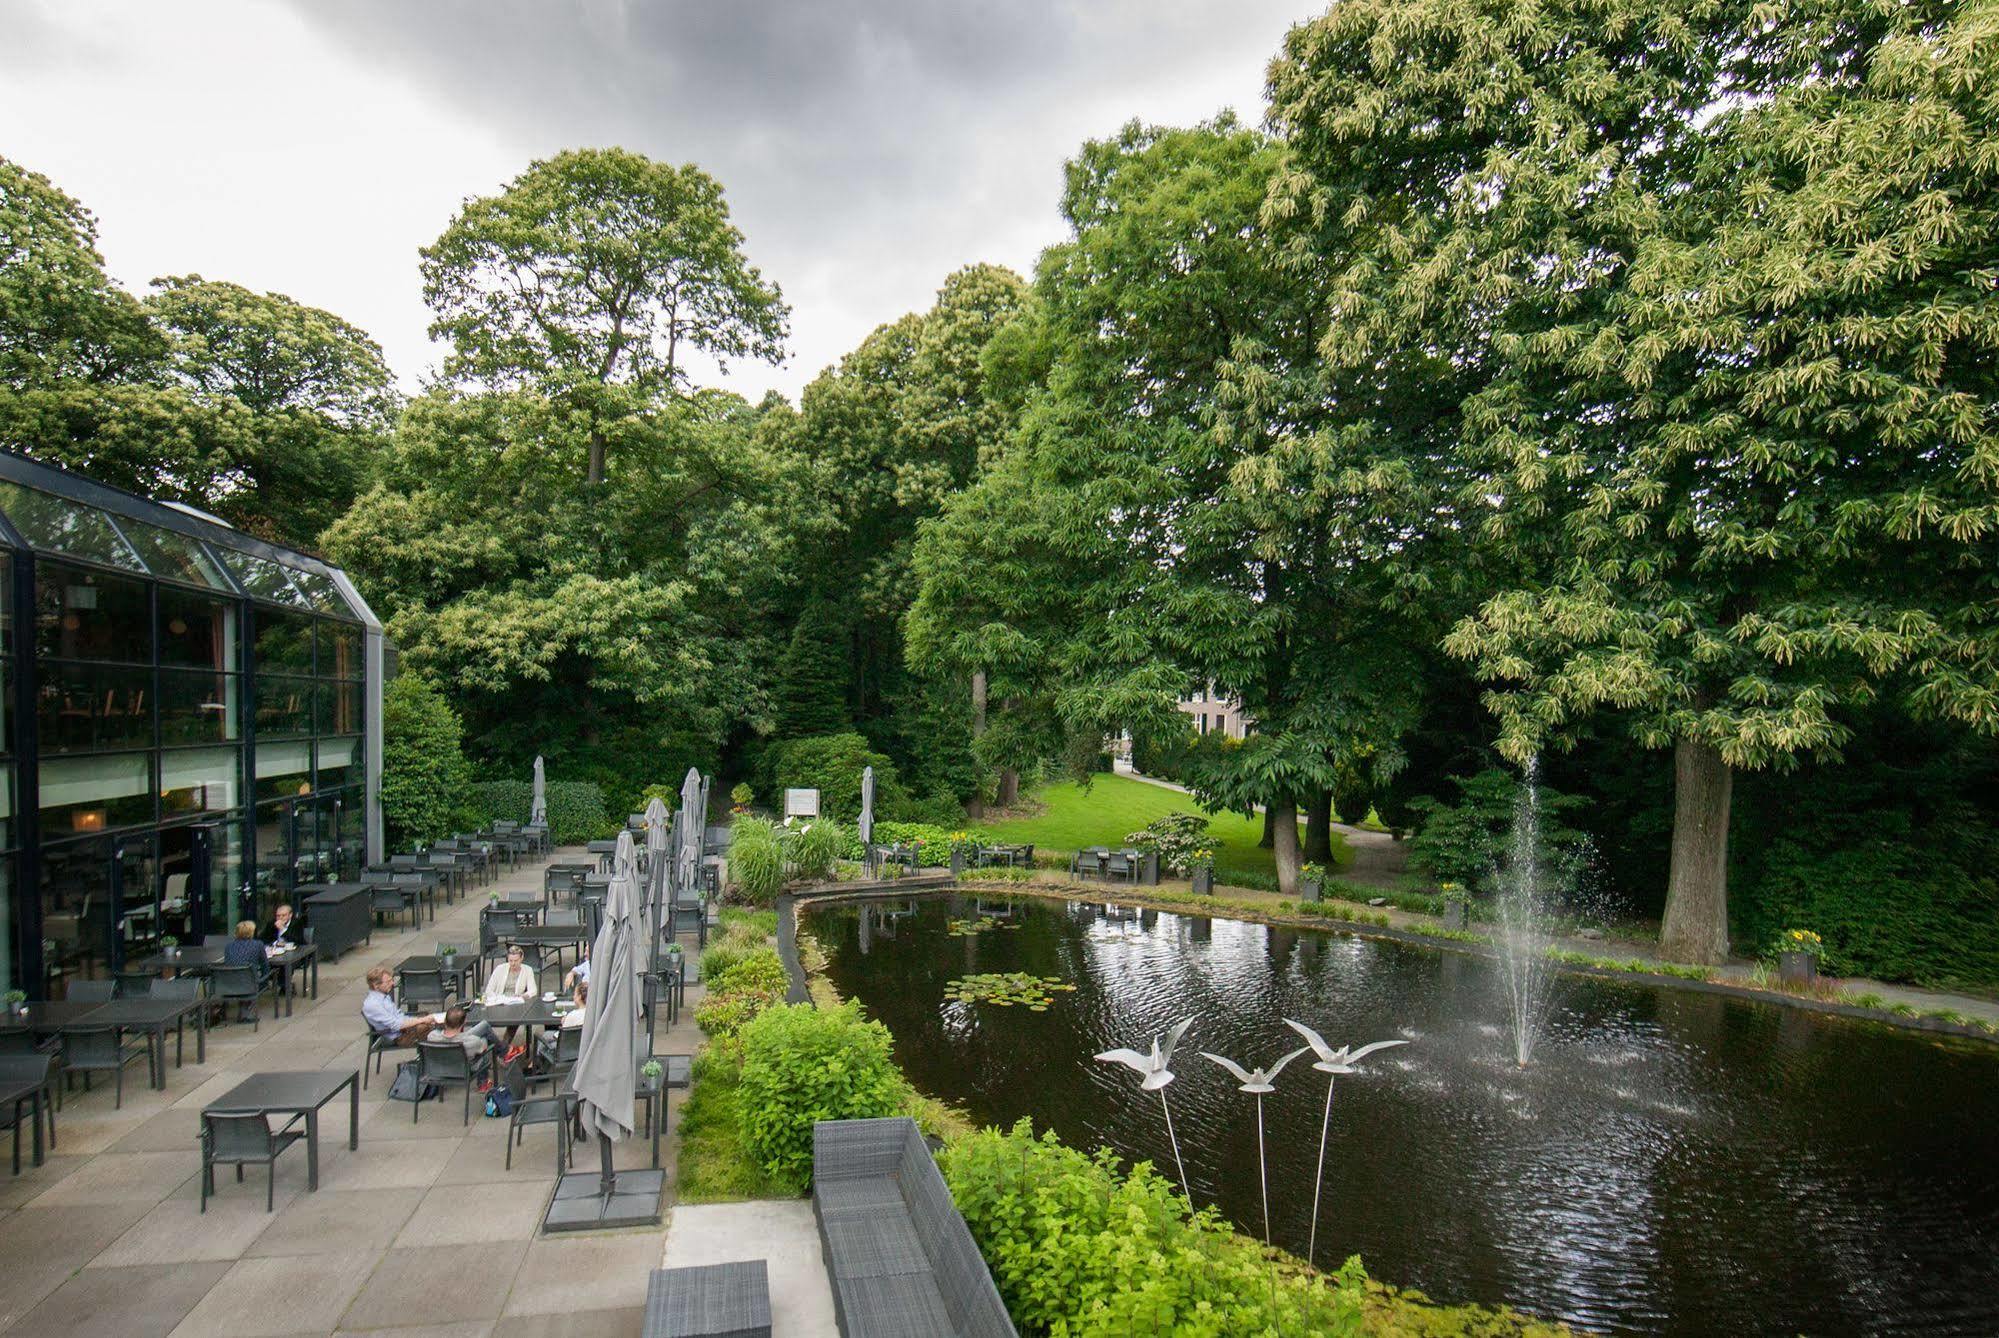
{"points": [[579, 974], [284, 929], [475, 1038], [550, 1041], [246, 949], [381, 1014]]}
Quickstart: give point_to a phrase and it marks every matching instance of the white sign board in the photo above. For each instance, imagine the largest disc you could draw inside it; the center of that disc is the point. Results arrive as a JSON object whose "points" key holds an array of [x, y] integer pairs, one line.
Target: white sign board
{"points": [[801, 804]]}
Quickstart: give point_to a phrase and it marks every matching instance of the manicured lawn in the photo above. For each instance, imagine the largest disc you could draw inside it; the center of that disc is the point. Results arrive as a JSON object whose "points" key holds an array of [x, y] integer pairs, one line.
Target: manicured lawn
{"points": [[1116, 806]]}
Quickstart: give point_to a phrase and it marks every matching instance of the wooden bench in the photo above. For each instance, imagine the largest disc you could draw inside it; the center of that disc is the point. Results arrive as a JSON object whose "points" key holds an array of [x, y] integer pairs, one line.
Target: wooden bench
{"points": [[901, 1259]]}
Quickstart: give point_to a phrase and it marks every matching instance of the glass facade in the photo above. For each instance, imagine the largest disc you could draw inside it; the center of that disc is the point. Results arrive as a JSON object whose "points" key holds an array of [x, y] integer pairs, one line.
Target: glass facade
{"points": [[184, 727]]}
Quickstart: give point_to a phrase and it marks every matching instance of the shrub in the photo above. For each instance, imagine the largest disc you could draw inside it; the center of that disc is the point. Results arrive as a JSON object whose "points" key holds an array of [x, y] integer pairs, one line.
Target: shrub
{"points": [[1077, 1246], [1462, 842], [832, 765], [814, 849], [760, 970], [736, 941], [424, 773], [756, 860], [576, 810], [803, 1064], [724, 1015], [1176, 837]]}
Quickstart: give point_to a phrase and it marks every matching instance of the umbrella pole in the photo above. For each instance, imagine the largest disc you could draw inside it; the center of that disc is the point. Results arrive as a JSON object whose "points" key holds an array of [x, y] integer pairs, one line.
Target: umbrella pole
{"points": [[609, 1182]]}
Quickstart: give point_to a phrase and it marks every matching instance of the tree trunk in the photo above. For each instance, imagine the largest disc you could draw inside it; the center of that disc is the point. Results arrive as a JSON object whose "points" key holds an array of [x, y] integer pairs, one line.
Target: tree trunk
{"points": [[1285, 816], [1319, 829], [1695, 928], [596, 457], [1009, 788], [1269, 831], [978, 804]]}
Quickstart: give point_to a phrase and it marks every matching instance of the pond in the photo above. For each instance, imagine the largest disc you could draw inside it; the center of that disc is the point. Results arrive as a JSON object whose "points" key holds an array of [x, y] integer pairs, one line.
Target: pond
{"points": [[1671, 1161]]}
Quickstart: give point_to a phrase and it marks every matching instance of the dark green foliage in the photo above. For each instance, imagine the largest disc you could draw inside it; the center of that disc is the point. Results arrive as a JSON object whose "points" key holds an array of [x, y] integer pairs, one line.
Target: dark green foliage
{"points": [[803, 1064], [1353, 796], [811, 679], [811, 852], [1077, 1245], [1176, 837], [576, 811], [424, 774], [832, 764], [1463, 842], [756, 860]]}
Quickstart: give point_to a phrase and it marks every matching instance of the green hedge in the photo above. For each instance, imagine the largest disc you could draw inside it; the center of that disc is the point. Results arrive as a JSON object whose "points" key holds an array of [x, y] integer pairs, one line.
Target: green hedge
{"points": [[424, 773], [803, 1064], [832, 764], [1078, 1246], [576, 811]]}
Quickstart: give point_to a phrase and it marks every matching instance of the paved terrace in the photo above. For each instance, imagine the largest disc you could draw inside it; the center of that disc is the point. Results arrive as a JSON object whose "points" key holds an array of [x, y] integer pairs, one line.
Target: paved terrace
{"points": [[420, 1233]]}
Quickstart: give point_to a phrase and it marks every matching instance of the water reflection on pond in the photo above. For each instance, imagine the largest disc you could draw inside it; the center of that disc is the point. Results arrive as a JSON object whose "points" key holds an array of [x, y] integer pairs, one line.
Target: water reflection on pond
{"points": [[1672, 1162]]}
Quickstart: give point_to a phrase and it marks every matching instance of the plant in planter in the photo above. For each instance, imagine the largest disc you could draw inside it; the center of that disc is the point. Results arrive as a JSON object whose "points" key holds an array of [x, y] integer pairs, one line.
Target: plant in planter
{"points": [[740, 797], [447, 952], [651, 1070], [1457, 907], [169, 945], [962, 846], [1798, 954], [1312, 881], [1201, 869], [17, 1002]]}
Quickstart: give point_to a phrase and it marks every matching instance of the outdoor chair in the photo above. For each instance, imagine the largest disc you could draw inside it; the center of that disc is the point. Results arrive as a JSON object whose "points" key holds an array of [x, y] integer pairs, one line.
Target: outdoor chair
{"points": [[557, 1108], [91, 991], [237, 985], [567, 916], [182, 988], [133, 984], [215, 940], [1117, 865], [391, 902], [241, 1138], [420, 991], [444, 1063], [413, 886], [104, 1050], [378, 1045], [33, 1069]]}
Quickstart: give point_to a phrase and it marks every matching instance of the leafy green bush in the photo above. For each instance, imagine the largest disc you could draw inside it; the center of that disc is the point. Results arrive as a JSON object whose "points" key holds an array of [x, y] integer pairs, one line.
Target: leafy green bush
{"points": [[832, 764], [756, 860], [724, 1015], [1175, 836], [761, 970], [803, 1064], [813, 850], [424, 773], [1077, 1246], [1462, 842], [576, 810], [739, 938], [742, 981]]}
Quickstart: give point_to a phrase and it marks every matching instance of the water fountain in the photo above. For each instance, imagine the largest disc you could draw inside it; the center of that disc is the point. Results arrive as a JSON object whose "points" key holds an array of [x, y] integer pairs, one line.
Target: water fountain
{"points": [[1526, 890]]}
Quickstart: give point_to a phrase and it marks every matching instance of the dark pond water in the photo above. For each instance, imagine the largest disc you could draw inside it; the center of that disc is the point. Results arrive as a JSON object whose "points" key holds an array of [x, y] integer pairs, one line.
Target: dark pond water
{"points": [[1672, 1162]]}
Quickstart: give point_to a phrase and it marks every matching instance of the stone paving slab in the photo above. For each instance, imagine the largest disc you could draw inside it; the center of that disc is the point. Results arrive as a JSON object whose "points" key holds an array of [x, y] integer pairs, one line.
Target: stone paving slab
{"points": [[782, 1232]]}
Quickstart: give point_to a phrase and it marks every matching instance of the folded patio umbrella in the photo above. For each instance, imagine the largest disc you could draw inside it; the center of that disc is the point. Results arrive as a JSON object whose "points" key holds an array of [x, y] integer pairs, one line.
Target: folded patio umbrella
{"points": [[606, 1072], [538, 808], [867, 824]]}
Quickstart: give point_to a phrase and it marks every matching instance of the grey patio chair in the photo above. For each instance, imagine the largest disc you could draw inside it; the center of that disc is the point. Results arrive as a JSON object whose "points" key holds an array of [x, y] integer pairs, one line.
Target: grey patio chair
{"points": [[444, 1063], [378, 1045], [238, 985], [183, 988], [1117, 865], [558, 1108], [133, 984], [413, 886], [91, 991], [33, 1069], [104, 1050], [390, 901], [420, 991], [243, 1137]]}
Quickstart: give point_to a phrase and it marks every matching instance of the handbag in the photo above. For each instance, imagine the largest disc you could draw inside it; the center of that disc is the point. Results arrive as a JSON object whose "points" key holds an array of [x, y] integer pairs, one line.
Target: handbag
{"points": [[408, 1087], [499, 1103]]}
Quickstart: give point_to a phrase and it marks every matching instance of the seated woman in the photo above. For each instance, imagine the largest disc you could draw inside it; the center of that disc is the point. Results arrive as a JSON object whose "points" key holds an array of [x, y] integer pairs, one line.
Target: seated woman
{"points": [[550, 1042], [247, 950], [511, 979]]}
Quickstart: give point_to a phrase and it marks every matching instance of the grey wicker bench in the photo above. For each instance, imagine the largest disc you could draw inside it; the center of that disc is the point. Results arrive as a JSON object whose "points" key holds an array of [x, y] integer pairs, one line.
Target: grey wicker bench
{"points": [[901, 1259], [709, 1301]]}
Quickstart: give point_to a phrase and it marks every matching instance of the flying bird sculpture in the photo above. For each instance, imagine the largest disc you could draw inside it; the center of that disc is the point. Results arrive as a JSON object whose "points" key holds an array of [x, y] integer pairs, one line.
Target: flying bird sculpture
{"points": [[1332, 1063], [1256, 1082], [1154, 1075]]}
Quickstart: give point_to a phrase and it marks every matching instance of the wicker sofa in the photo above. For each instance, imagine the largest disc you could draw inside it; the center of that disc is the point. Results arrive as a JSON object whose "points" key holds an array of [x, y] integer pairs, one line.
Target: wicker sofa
{"points": [[900, 1257]]}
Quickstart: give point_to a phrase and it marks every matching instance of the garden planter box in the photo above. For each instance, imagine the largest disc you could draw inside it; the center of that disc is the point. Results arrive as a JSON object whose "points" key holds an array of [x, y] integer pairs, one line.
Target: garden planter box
{"points": [[1148, 868], [1455, 915], [1311, 889], [1797, 968], [1204, 881], [957, 864]]}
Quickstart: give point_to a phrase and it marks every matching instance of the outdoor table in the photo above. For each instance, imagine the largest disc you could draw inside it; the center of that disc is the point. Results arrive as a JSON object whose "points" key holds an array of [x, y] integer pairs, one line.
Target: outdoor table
{"points": [[297, 1094], [652, 1091], [340, 915], [531, 1013], [521, 903], [196, 958], [36, 1094], [154, 1016], [463, 967], [709, 1301], [48, 1018], [566, 874], [904, 858], [558, 937], [603, 850], [287, 964]]}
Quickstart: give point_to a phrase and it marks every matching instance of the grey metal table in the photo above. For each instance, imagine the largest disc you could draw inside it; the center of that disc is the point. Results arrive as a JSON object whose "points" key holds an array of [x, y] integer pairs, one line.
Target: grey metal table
{"points": [[36, 1094], [709, 1301], [154, 1016], [298, 1094], [287, 964]]}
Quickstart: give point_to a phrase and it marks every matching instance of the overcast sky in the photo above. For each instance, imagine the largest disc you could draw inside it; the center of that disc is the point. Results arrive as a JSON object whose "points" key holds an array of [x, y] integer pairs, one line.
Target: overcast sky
{"points": [[867, 150]]}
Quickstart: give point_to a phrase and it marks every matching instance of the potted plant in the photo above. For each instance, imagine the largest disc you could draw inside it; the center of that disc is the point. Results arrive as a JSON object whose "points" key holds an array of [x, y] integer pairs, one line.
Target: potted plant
{"points": [[169, 946], [1457, 909], [740, 797], [651, 1070], [1312, 881], [1201, 870], [1798, 953], [17, 1002], [962, 847], [447, 953]]}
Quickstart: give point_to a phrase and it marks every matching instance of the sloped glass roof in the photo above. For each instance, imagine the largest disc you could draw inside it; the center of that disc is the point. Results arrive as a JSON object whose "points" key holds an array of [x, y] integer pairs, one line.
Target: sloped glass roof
{"points": [[175, 555], [264, 578], [57, 525]]}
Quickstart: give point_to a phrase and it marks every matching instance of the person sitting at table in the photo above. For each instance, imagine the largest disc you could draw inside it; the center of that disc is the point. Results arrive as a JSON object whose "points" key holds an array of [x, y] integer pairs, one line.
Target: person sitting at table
{"points": [[380, 1012], [550, 1041], [247, 950], [284, 930], [579, 974], [475, 1038], [511, 979]]}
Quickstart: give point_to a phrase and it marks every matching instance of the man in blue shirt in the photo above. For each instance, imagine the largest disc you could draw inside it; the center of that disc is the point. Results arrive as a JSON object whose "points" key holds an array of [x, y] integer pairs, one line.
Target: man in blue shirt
{"points": [[384, 1018]]}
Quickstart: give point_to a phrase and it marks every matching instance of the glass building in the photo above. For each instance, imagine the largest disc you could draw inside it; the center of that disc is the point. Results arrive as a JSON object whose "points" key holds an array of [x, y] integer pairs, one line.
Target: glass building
{"points": [[190, 726]]}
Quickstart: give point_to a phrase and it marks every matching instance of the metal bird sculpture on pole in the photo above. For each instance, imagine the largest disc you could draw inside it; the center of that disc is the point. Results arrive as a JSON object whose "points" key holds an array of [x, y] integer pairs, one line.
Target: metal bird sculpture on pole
{"points": [[1155, 1075], [1256, 1082], [1332, 1063]]}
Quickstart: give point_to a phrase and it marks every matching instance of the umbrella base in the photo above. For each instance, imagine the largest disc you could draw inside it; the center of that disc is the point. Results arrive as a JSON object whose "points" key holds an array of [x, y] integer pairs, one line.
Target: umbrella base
{"points": [[580, 1203]]}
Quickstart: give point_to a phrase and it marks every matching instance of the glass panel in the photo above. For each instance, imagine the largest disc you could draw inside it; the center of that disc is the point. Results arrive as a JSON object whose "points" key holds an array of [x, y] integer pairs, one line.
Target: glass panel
{"points": [[200, 708], [139, 921], [58, 525], [175, 556], [92, 615], [284, 642], [6, 604], [284, 706], [263, 578], [276, 837], [178, 896], [76, 911], [91, 794], [228, 885], [339, 763], [197, 631], [339, 650], [339, 708], [284, 770], [7, 708], [199, 780], [6, 812], [324, 594], [93, 707], [10, 951]]}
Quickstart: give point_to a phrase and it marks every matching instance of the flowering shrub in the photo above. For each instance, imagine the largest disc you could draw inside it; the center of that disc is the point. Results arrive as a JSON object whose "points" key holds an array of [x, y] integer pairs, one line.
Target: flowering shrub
{"points": [[1801, 940], [1175, 836]]}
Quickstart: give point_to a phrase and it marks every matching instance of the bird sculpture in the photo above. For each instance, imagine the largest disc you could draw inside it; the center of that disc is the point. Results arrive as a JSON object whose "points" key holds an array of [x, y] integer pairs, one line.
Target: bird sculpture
{"points": [[1332, 1063], [1256, 1082], [1154, 1075]]}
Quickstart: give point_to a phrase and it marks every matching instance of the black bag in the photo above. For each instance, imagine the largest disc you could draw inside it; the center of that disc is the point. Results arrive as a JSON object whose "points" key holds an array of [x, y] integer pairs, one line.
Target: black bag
{"points": [[406, 1087]]}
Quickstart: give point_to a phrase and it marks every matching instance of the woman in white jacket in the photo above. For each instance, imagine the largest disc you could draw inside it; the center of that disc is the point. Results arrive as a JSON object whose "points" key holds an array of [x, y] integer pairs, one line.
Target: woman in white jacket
{"points": [[511, 979]]}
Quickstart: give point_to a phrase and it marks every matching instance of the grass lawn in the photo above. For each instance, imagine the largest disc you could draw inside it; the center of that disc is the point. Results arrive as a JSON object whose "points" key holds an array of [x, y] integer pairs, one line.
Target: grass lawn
{"points": [[1116, 806]]}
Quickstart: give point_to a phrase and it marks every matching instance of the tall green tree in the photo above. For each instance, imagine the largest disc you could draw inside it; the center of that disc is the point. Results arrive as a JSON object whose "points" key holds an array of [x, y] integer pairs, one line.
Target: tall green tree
{"points": [[590, 279]]}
